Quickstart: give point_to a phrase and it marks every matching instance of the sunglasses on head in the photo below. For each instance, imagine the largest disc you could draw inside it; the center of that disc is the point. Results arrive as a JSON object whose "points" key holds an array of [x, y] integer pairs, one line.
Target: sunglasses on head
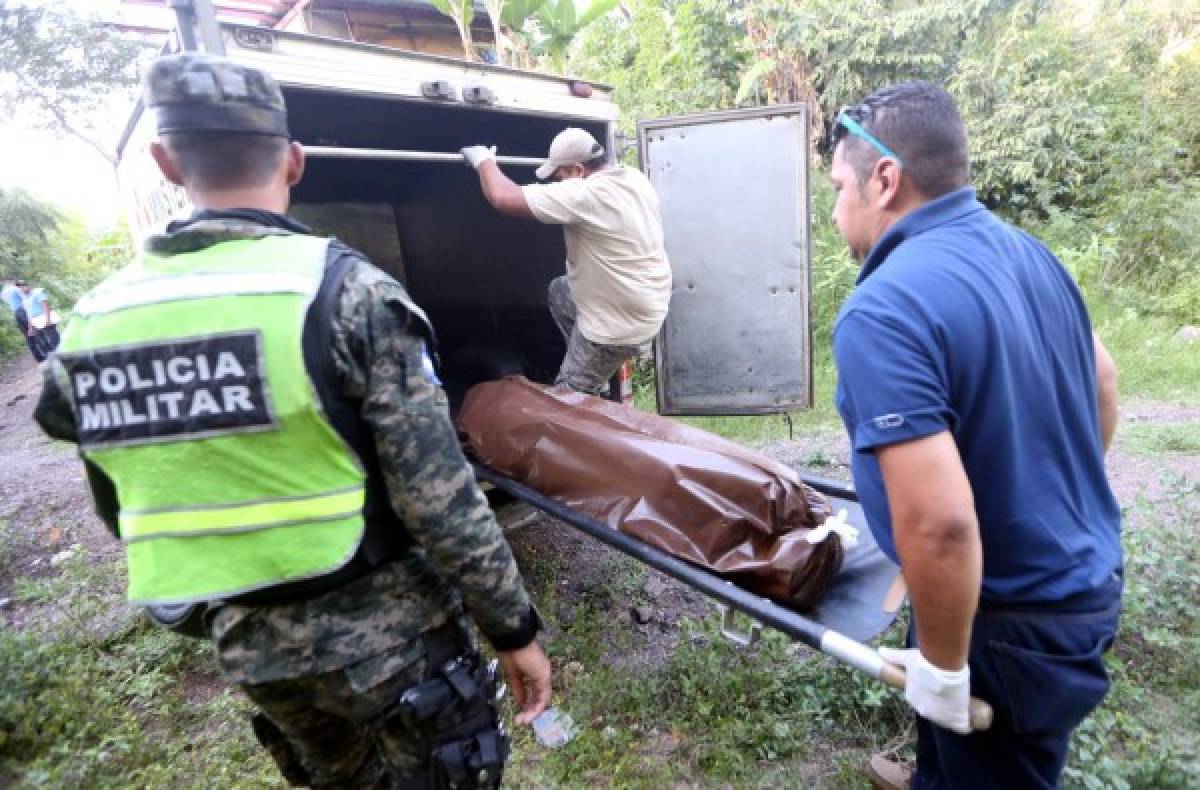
{"points": [[847, 123]]}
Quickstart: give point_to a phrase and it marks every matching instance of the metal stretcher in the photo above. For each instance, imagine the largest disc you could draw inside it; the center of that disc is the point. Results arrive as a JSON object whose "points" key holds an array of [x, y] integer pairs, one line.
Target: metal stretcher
{"points": [[856, 608]]}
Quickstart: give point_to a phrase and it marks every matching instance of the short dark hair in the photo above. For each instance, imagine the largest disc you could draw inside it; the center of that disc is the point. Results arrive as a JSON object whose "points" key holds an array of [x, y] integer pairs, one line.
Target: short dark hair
{"points": [[917, 120], [225, 160], [598, 163]]}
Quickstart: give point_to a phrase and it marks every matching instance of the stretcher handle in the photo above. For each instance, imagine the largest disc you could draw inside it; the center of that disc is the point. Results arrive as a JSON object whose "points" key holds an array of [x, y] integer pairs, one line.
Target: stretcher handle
{"points": [[978, 711], [868, 660]]}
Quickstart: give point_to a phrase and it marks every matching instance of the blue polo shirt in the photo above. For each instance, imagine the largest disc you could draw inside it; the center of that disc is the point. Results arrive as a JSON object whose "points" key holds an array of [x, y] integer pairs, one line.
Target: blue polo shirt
{"points": [[962, 323]]}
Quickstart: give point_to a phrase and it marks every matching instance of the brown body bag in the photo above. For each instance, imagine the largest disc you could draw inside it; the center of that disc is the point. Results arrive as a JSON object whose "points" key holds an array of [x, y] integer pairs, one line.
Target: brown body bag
{"points": [[677, 488]]}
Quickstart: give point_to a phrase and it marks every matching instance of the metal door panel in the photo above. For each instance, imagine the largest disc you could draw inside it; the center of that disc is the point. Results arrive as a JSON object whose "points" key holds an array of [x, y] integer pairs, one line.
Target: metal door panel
{"points": [[733, 187]]}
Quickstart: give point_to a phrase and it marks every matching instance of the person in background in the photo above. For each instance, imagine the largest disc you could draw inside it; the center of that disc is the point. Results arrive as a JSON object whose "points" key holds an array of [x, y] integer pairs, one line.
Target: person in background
{"points": [[13, 294], [614, 297], [979, 405], [43, 321]]}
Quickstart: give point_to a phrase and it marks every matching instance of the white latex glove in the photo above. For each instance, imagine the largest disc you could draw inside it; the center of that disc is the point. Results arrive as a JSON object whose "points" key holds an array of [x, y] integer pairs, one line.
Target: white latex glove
{"points": [[937, 694], [475, 155]]}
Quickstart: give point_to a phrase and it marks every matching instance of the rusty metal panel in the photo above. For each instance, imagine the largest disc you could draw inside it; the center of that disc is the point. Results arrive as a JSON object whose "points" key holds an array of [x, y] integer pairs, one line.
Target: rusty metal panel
{"points": [[733, 187]]}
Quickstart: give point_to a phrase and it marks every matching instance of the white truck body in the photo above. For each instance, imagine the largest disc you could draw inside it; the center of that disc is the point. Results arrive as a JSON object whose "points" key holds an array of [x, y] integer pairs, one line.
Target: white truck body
{"points": [[733, 188]]}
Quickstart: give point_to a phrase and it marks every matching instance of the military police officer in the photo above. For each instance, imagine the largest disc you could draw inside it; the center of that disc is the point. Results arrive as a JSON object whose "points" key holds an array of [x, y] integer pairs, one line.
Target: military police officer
{"points": [[259, 420]]}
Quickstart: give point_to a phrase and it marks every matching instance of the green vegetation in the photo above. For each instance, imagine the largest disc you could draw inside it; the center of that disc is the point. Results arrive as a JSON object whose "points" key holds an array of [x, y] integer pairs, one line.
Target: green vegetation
{"points": [[1084, 132], [712, 712], [53, 251], [776, 714], [1146, 732], [1153, 360], [1172, 438], [1081, 115], [61, 69], [119, 711], [526, 32], [96, 697]]}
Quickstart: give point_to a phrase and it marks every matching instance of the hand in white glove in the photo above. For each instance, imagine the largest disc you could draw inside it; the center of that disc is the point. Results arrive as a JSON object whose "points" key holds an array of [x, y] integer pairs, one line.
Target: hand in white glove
{"points": [[475, 155], [937, 694]]}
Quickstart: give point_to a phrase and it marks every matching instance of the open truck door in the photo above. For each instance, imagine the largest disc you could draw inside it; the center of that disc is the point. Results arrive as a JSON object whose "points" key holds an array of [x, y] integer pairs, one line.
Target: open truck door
{"points": [[733, 189]]}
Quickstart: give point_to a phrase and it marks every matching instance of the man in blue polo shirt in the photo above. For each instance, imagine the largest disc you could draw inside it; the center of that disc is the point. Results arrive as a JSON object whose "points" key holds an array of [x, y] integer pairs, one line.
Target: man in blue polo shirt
{"points": [[979, 405]]}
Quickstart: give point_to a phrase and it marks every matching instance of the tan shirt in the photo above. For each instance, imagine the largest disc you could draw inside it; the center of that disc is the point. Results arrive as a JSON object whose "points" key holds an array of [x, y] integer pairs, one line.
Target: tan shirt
{"points": [[616, 264]]}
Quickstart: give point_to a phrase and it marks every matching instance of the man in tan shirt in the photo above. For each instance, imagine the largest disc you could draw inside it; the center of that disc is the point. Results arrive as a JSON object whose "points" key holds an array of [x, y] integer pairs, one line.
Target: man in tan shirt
{"points": [[614, 296]]}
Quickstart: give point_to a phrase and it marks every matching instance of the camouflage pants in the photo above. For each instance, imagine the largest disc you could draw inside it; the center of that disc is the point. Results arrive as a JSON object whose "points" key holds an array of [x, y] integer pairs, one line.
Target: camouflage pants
{"points": [[587, 366], [347, 739]]}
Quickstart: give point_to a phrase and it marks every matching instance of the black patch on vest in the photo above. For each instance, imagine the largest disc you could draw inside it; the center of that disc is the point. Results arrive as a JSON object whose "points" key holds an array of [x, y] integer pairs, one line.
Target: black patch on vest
{"points": [[169, 391]]}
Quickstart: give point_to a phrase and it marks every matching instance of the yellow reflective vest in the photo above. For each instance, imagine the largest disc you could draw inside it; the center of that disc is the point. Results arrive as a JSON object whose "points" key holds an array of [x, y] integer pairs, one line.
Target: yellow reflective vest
{"points": [[186, 373]]}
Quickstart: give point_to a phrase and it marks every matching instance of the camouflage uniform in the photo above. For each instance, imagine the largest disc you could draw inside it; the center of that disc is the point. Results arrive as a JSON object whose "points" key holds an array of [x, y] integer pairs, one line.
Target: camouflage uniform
{"points": [[328, 671], [587, 366]]}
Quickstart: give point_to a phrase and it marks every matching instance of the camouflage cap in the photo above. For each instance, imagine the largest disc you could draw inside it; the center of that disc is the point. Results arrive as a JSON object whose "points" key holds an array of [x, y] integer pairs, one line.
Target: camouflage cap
{"points": [[195, 92]]}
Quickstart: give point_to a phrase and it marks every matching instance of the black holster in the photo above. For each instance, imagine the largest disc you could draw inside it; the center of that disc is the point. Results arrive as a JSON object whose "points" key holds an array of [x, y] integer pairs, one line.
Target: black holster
{"points": [[454, 716], [273, 740]]}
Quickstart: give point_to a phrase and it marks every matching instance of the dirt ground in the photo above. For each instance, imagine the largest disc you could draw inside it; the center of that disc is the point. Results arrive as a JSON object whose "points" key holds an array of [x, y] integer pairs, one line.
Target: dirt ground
{"points": [[44, 501], [47, 511]]}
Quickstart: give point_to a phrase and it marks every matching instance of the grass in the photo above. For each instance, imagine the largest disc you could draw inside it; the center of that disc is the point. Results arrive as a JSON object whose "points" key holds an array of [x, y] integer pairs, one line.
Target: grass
{"points": [[114, 710], [1149, 439], [777, 714], [99, 698], [759, 430], [1147, 732], [95, 697], [1152, 360], [113, 713], [11, 342], [711, 713]]}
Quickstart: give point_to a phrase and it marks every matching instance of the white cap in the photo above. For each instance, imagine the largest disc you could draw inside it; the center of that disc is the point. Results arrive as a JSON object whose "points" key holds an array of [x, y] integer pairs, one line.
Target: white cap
{"points": [[572, 146]]}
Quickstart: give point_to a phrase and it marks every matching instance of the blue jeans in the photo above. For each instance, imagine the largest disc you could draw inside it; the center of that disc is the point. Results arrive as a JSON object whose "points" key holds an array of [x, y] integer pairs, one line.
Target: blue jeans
{"points": [[1042, 670]]}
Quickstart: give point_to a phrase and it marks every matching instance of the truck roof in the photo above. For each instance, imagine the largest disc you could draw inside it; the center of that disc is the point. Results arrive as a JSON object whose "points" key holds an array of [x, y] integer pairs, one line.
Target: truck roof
{"points": [[303, 60]]}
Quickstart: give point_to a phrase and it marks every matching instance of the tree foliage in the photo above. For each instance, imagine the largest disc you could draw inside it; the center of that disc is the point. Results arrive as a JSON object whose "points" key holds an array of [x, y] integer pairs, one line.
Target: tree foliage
{"points": [[515, 45], [525, 31], [54, 251], [666, 58], [828, 53], [61, 71], [1031, 115], [42, 244], [559, 22], [511, 21], [26, 227], [1081, 115], [463, 14]]}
